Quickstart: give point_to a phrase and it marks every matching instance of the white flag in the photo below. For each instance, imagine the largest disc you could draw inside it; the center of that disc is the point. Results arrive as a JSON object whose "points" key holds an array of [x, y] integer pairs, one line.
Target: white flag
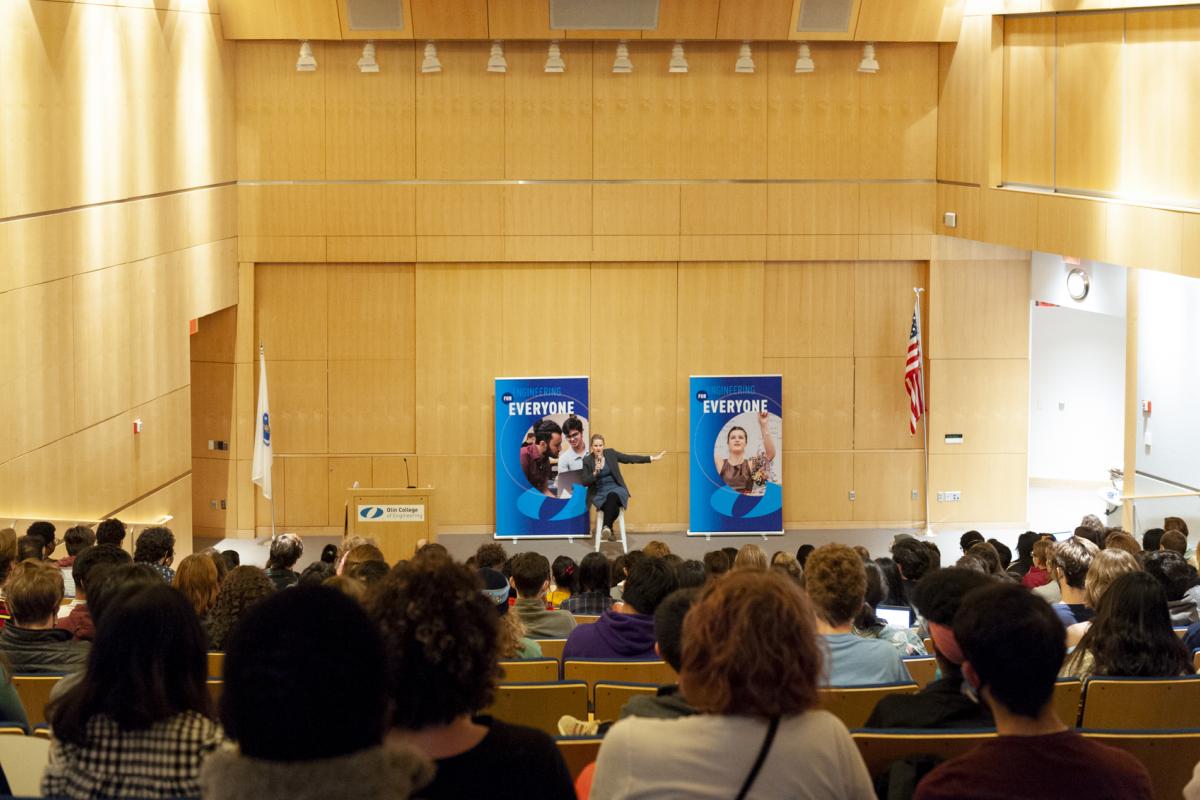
{"points": [[260, 468]]}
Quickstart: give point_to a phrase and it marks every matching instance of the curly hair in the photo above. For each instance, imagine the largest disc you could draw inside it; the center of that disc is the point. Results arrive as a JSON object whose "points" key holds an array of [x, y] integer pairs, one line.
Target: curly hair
{"points": [[285, 551], [734, 664], [243, 587], [512, 631], [836, 581], [154, 545], [490, 556], [197, 579], [441, 635]]}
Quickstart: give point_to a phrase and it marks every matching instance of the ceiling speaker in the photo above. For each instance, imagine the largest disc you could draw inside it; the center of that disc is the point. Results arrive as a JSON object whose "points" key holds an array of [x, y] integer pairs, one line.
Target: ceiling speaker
{"points": [[598, 15], [375, 15], [824, 16]]}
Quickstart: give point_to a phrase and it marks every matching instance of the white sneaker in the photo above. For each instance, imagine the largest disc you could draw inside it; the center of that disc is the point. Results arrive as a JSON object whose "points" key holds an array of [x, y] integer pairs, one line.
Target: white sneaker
{"points": [[570, 726], [606, 535]]}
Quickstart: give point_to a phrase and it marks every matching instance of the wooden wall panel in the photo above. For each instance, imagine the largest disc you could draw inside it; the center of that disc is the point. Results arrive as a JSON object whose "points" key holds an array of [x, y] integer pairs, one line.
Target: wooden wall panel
{"points": [[883, 306], [631, 209], [654, 490], [288, 210], [372, 406], [898, 113], [685, 19], [818, 402], [465, 210], [102, 367], [343, 473], [548, 210], [753, 19], [985, 400], [450, 19], [1144, 237], [890, 208], [473, 507], [723, 208], [809, 309], [884, 483], [722, 111], [813, 119], [817, 487], [979, 309], [100, 491], [306, 497], [636, 125], [460, 116], [1089, 102], [299, 394], [813, 209], [1028, 134], [520, 19], [174, 500], [212, 402], [962, 70], [280, 113], [881, 407], [567, 327], [548, 118], [162, 451], [293, 323], [994, 486], [370, 119], [371, 313], [158, 363]]}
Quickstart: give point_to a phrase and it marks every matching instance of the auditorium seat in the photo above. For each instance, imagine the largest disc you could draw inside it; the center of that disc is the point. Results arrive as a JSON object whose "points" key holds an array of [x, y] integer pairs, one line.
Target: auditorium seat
{"points": [[1068, 692], [1169, 756], [34, 691], [539, 705], [854, 704], [592, 670], [610, 696], [552, 648], [215, 687], [578, 751], [216, 664], [1196, 659], [24, 759], [586, 619], [881, 748], [1141, 704], [923, 669], [12, 729], [530, 670]]}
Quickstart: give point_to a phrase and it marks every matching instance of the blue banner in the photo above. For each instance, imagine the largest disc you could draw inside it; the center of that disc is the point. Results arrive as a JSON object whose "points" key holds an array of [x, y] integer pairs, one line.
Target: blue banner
{"points": [[541, 437], [736, 454]]}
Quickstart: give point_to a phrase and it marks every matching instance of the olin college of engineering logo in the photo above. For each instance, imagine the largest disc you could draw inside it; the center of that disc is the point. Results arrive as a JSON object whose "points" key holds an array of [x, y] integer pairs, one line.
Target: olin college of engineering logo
{"points": [[370, 512]]}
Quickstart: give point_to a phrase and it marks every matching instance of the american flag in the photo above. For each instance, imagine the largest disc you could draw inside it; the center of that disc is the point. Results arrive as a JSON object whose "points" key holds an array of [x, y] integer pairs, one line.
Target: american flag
{"points": [[914, 380]]}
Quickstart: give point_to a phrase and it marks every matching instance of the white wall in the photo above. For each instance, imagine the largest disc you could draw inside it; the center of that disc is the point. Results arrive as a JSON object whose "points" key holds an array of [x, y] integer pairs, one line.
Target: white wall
{"points": [[1048, 284]]}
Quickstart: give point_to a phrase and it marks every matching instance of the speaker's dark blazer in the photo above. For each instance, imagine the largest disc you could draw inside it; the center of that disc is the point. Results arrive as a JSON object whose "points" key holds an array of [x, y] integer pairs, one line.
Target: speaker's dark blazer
{"points": [[613, 459]]}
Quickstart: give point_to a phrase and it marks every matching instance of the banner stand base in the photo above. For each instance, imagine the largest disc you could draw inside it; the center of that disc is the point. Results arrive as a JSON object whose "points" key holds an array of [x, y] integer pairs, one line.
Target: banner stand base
{"points": [[708, 535]]}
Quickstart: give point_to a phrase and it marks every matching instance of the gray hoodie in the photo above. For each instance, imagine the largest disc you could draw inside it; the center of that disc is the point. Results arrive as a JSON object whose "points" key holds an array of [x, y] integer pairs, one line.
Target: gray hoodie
{"points": [[379, 773]]}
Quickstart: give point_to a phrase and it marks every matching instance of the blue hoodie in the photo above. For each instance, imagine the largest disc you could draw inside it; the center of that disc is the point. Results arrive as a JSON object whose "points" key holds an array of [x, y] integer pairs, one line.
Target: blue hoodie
{"points": [[613, 636]]}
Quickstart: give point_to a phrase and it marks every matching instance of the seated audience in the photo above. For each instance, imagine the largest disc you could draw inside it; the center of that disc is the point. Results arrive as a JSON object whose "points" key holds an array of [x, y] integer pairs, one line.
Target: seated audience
{"points": [[8, 558], [565, 573], [329, 554], [1120, 540], [869, 626], [986, 553], [836, 581], [531, 578], [1090, 534], [594, 584], [1003, 552], [1038, 575], [690, 574], [197, 579], [316, 573], [31, 548], [369, 573], [628, 633], [156, 548], [1107, 566], [913, 562], [76, 540], [863, 552], [1179, 580], [244, 587], [218, 562], [732, 552], [1025, 542], [756, 688], [656, 549], [440, 641], [787, 564], [91, 563], [1152, 538], [974, 564], [492, 556], [308, 749], [232, 559], [716, 564], [285, 552], [802, 553], [1017, 683], [30, 641], [942, 703], [111, 531], [514, 644], [353, 588], [43, 531], [359, 554], [751, 556], [969, 540], [1131, 635], [1174, 541], [894, 594], [136, 724], [1069, 562]]}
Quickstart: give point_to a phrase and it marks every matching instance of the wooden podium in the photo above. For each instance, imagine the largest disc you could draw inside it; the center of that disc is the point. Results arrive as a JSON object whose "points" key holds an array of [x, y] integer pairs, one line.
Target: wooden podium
{"points": [[396, 518]]}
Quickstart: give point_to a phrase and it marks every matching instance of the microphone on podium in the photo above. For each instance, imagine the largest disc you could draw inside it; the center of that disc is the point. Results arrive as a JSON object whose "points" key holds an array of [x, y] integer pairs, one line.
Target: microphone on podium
{"points": [[407, 476]]}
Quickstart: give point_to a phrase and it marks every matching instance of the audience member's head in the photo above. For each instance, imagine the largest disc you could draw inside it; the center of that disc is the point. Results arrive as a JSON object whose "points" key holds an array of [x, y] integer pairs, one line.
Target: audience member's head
{"points": [[8, 552], [734, 664], [836, 580], [1151, 538], [616, 571], [974, 564], [938, 600], [891, 576], [690, 574], [360, 555], [969, 539], [147, 664], [1070, 559], [110, 531], [716, 563], [1025, 544], [1175, 541], [1106, 567], [1041, 552], [219, 563], [732, 552], [243, 588], [430, 548], [353, 588], [566, 574], [285, 551], [156, 545], [369, 573], [31, 547], [490, 556], [986, 553], [751, 556], [78, 538], [1018, 679], [786, 563], [912, 559], [232, 559], [933, 552], [673, 559], [34, 593], [594, 574], [196, 578], [531, 574], [1093, 522], [1092, 535], [43, 531], [656, 549], [668, 624], [495, 588], [440, 638], [803, 552], [1131, 634], [1175, 575], [1003, 551], [329, 554], [108, 581], [1175, 524], [1122, 541], [316, 573], [863, 552], [651, 580]]}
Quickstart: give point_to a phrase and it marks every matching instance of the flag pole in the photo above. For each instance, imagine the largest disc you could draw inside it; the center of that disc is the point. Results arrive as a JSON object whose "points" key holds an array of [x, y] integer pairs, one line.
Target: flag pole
{"points": [[925, 429], [262, 356]]}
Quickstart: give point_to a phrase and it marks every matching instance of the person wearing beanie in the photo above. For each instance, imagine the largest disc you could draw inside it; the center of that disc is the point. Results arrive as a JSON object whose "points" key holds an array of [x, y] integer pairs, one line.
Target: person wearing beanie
{"points": [[293, 745], [514, 644]]}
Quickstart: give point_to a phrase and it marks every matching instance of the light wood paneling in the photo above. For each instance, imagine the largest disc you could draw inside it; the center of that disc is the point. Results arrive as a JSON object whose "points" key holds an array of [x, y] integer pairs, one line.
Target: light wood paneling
{"points": [[817, 487], [372, 406], [212, 402], [818, 402], [636, 120], [460, 324], [520, 19], [633, 389], [293, 315], [102, 366], [280, 113], [370, 210], [1009, 217], [962, 70], [213, 481], [450, 19], [645, 209], [215, 337], [993, 486], [812, 119], [299, 394], [812, 248], [1160, 158], [722, 111], [1144, 237], [99, 491], [281, 210], [548, 118], [723, 208], [370, 126], [371, 249], [896, 208], [548, 210], [884, 482], [964, 202], [371, 311], [31, 485], [174, 500], [1190, 261], [812, 208], [307, 492], [1028, 135], [250, 19], [653, 490], [809, 309], [568, 330], [391, 472], [917, 21], [881, 406], [979, 309], [1072, 226], [343, 473], [460, 116], [685, 19], [883, 306], [1089, 102], [162, 451], [465, 487], [898, 113], [753, 19], [158, 352], [985, 400], [466, 210]]}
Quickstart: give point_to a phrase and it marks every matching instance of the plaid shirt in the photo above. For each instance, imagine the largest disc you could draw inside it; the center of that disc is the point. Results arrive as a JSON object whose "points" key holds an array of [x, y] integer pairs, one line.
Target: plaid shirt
{"points": [[588, 603], [160, 761]]}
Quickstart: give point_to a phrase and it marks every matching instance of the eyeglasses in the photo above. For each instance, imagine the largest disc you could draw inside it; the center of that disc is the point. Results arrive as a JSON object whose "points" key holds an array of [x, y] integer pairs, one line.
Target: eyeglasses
{"points": [[574, 435]]}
